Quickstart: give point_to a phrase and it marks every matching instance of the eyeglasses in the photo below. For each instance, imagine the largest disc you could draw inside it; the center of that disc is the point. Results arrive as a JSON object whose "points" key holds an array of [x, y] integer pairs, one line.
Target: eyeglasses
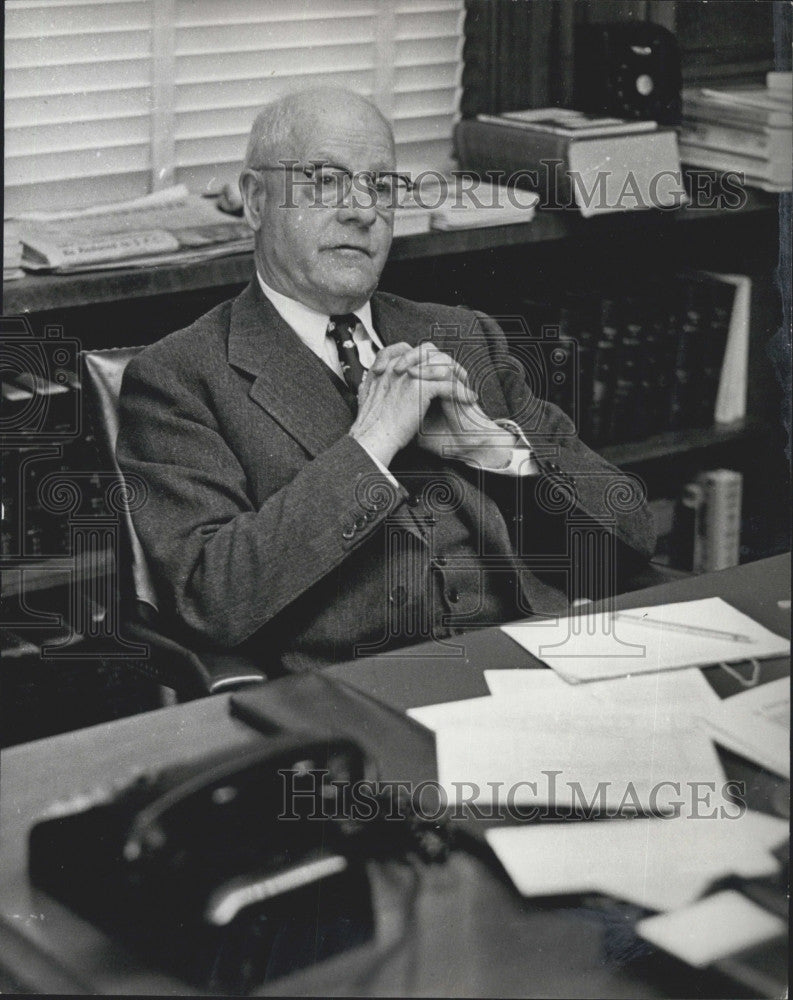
{"points": [[333, 185]]}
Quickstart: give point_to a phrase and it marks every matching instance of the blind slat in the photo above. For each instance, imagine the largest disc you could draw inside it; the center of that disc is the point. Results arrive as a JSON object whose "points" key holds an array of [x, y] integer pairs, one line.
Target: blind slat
{"points": [[204, 13], [66, 50], [429, 76], [416, 51], [74, 19], [208, 69], [52, 109], [279, 35], [87, 163], [426, 102], [440, 24], [253, 92], [65, 139], [100, 77]]}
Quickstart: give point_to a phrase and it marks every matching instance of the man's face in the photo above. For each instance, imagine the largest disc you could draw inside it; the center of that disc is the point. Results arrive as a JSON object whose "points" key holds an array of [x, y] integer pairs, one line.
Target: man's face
{"points": [[328, 257]]}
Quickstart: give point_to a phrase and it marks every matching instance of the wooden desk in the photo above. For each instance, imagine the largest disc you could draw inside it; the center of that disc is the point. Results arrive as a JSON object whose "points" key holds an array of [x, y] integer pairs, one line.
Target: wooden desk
{"points": [[473, 936]]}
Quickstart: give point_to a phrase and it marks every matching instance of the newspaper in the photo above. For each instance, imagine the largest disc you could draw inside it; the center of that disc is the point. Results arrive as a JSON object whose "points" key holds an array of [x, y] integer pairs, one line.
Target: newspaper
{"points": [[168, 226]]}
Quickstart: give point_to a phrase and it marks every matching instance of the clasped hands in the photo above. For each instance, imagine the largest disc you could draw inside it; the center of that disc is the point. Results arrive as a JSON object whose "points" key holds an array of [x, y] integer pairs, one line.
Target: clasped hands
{"points": [[422, 393]]}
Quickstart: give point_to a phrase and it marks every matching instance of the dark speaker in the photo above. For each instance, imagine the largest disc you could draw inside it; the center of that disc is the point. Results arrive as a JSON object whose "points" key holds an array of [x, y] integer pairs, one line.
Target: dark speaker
{"points": [[628, 69]]}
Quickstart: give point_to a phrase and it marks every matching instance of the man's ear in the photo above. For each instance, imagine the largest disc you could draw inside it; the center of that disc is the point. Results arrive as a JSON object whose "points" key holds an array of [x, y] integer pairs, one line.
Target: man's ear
{"points": [[252, 193]]}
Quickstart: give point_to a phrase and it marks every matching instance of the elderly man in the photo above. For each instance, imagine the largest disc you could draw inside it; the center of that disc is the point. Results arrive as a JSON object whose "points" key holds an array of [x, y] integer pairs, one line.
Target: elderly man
{"points": [[336, 471]]}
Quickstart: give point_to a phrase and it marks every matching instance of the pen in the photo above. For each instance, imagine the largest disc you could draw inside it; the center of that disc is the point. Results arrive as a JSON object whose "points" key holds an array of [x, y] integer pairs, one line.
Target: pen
{"points": [[712, 633]]}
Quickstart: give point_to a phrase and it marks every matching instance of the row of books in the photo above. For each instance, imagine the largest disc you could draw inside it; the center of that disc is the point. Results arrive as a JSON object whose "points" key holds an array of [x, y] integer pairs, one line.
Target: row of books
{"points": [[35, 523], [669, 355], [746, 129]]}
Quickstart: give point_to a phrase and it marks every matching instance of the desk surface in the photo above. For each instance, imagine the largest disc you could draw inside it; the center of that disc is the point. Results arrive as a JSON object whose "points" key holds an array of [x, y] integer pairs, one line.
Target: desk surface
{"points": [[474, 935]]}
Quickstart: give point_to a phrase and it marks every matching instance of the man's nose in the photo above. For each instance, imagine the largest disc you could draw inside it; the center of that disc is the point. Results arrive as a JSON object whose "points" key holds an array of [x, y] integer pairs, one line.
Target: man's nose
{"points": [[358, 206]]}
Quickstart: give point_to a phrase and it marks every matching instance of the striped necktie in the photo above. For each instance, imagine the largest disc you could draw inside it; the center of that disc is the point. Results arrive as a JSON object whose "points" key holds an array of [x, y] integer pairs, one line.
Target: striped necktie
{"points": [[340, 328]]}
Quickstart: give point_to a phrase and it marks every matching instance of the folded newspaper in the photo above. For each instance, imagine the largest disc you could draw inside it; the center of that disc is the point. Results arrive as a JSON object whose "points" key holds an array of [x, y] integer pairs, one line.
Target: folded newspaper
{"points": [[168, 226]]}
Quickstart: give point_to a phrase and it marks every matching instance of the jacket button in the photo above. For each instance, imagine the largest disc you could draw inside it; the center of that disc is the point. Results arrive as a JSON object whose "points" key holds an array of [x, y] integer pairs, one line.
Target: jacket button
{"points": [[413, 500], [555, 467], [452, 595]]}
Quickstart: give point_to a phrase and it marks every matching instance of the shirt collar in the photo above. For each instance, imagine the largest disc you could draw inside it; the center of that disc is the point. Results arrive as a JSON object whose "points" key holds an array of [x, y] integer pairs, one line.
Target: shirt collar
{"points": [[312, 326]]}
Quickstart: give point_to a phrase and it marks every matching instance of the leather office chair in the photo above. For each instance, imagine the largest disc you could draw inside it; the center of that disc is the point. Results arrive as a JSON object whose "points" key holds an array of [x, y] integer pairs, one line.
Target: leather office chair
{"points": [[173, 661]]}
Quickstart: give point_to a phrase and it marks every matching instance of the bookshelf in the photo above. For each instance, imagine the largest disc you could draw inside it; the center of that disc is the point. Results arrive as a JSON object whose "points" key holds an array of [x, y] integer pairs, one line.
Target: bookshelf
{"points": [[36, 294]]}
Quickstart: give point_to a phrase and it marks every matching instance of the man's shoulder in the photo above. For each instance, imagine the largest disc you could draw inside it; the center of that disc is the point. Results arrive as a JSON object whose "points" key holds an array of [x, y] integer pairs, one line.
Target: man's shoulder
{"points": [[197, 346], [436, 311]]}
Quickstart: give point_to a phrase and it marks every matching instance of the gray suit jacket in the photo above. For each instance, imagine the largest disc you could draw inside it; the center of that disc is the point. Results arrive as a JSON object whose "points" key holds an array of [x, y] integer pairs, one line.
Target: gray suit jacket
{"points": [[264, 518]]}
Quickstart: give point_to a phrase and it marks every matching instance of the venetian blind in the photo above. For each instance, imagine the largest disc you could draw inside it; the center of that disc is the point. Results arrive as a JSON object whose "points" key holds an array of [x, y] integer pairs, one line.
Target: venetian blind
{"points": [[108, 100]]}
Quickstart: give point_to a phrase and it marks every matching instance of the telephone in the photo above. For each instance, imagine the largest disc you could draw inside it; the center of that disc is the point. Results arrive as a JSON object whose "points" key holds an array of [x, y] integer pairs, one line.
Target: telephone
{"points": [[193, 866]]}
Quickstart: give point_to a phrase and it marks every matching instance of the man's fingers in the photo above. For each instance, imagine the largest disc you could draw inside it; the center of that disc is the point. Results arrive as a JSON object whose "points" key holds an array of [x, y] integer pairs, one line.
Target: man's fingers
{"points": [[415, 356], [387, 355], [449, 388]]}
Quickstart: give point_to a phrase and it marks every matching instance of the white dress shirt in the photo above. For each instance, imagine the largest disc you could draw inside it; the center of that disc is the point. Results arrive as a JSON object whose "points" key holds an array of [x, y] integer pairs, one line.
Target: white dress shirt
{"points": [[312, 328]]}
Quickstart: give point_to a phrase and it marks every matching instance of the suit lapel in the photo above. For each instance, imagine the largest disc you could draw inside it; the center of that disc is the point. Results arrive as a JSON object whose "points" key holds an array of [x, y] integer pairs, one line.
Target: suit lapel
{"points": [[290, 382]]}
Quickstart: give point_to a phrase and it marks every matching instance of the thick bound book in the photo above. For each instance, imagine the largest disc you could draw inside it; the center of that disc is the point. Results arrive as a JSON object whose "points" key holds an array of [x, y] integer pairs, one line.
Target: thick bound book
{"points": [[595, 174]]}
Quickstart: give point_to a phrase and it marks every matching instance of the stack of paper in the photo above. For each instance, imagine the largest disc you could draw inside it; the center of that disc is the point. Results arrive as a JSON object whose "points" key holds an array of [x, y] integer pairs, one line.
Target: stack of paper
{"points": [[744, 129], [538, 742], [473, 206]]}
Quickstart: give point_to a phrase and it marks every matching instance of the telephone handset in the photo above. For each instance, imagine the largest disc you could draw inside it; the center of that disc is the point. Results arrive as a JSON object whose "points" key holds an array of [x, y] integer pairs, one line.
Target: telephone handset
{"points": [[210, 868]]}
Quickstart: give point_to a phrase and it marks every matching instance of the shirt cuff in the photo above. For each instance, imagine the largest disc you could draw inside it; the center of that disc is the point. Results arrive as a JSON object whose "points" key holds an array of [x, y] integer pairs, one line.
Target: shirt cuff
{"points": [[383, 468], [522, 462]]}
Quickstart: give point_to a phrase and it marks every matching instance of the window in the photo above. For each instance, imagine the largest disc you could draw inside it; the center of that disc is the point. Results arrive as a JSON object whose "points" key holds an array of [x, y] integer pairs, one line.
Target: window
{"points": [[109, 100]]}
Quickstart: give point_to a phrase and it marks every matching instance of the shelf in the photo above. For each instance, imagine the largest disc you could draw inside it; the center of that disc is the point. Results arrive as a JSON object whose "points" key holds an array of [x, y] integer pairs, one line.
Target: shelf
{"points": [[43, 292], [677, 443]]}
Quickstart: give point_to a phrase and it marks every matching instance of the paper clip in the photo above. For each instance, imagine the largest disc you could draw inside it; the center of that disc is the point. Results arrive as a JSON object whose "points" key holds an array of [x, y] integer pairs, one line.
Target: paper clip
{"points": [[746, 682]]}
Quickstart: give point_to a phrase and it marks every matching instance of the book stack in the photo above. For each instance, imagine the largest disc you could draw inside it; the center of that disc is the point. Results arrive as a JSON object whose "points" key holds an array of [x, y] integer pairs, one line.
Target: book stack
{"points": [[592, 163], [745, 129], [665, 355]]}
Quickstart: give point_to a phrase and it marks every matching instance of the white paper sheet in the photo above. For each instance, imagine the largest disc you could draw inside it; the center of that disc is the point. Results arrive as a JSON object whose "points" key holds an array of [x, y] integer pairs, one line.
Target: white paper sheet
{"points": [[595, 646], [668, 695], [661, 864], [756, 724], [565, 749], [712, 928]]}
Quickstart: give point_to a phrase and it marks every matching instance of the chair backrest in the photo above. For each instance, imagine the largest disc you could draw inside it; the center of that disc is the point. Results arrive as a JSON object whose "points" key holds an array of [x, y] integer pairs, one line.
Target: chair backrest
{"points": [[104, 371]]}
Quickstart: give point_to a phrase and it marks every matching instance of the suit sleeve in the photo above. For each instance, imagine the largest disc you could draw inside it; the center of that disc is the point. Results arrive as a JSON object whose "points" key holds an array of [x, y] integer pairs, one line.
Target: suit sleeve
{"points": [[222, 566], [607, 496]]}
